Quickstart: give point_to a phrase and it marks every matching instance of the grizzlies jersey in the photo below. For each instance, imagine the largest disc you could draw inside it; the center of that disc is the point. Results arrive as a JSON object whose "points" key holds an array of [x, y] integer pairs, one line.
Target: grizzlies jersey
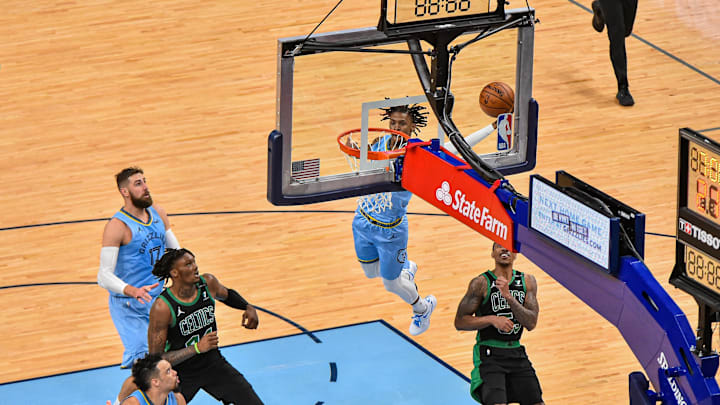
{"points": [[392, 215], [143, 399], [136, 259], [495, 304], [190, 322], [399, 200]]}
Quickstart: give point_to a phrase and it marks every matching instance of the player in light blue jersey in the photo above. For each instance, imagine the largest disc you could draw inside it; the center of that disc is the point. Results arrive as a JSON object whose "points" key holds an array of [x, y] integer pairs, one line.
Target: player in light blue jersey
{"points": [[381, 235], [133, 240], [156, 382]]}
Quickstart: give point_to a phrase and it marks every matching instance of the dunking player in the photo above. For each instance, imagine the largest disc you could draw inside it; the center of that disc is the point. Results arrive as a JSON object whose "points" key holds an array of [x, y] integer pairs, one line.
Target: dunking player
{"points": [[133, 240], [156, 382], [381, 236], [499, 304], [183, 327]]}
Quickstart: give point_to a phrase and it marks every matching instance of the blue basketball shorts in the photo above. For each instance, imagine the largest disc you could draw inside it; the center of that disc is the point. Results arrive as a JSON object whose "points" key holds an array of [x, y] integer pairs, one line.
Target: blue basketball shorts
{"points": [[131, 319], [383, 242]]}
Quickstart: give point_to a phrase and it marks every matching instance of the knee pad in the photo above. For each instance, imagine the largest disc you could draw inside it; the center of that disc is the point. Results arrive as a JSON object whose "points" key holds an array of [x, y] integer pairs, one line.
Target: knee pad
{"points": [[403, 287], [371, 269]]}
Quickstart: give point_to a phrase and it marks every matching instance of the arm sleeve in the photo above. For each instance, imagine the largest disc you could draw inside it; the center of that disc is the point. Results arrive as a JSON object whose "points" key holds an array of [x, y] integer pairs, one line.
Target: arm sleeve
{"points": [[171, 241], [106, 277], [235, 300], [472, 139]]}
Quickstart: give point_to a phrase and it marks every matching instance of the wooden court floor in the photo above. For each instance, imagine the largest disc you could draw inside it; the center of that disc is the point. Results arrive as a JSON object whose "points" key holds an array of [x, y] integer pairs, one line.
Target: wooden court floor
{"points": [[186, 90]]}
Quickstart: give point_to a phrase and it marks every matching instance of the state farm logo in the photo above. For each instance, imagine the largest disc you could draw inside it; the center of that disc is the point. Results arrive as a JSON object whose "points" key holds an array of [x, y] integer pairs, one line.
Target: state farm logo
{"points": [[471, 210], [443, 193]]}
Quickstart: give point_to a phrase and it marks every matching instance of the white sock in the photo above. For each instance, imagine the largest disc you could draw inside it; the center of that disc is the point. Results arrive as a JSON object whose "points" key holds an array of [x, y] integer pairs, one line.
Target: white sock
{"points": [[420, 306]]}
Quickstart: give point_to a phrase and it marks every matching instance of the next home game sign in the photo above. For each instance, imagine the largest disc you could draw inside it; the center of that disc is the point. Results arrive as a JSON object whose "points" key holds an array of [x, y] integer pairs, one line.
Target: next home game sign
{"points": [[574, 222]]}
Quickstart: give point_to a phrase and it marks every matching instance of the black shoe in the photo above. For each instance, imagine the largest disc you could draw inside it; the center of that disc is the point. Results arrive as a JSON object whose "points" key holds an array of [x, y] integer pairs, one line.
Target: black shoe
{"points": [[624, 97], [598, 21]]}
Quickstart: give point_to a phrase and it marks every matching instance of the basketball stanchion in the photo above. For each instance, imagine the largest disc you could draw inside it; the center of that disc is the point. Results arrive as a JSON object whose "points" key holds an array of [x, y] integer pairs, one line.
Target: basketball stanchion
{"points": [[452, 186]]}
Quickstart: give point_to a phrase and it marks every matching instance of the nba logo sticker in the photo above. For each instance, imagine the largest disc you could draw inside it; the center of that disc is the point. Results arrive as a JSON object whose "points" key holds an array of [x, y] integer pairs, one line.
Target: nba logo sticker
{"points": [[504, 131]]}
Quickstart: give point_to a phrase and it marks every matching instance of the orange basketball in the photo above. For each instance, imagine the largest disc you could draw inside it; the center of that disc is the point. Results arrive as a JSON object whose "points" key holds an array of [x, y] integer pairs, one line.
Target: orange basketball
{"points": [[497, 98]]}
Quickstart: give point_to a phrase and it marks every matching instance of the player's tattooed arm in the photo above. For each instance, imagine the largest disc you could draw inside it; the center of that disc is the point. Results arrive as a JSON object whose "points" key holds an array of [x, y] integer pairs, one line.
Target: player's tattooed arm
{"points": [[160, 318], [527, 312], [465, 318], [470, 303]]}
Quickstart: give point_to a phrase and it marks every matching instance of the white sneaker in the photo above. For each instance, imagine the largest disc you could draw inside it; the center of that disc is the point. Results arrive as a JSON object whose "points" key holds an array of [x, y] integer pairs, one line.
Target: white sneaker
{"points": [[421, 322]]}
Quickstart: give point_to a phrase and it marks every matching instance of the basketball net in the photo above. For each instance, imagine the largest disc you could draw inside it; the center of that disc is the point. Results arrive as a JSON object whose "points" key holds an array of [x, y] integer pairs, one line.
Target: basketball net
{"points": [[384, 146]]}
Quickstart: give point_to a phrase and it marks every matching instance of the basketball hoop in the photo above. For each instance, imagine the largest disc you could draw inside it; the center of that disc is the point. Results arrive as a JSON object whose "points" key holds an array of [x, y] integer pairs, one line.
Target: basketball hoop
{"points": [[384, 145]]}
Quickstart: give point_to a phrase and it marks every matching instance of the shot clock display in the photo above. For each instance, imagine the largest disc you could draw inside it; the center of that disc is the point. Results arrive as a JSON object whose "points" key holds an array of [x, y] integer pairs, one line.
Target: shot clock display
{"points": [[702, 268], [415, 10], [409, 11], [697, 253], [703, 194]]}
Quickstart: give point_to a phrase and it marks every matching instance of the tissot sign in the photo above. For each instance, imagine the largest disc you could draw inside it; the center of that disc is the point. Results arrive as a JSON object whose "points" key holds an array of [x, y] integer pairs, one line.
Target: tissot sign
{"points": [[697, 233], [451, 189]]}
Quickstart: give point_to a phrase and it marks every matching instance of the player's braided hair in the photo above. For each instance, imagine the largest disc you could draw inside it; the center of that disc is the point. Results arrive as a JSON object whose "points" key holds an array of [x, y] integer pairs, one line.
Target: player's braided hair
{"points": [[162, 267], [416, 113], [144, 370]]}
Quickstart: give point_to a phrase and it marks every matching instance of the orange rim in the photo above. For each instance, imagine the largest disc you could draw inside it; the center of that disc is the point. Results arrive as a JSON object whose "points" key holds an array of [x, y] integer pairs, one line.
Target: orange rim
{"points": [[372, 155]]}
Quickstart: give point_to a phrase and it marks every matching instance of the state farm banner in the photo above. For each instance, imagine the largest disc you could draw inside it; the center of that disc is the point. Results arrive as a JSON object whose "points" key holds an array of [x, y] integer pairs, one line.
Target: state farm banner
{"points": [[449, 188]]}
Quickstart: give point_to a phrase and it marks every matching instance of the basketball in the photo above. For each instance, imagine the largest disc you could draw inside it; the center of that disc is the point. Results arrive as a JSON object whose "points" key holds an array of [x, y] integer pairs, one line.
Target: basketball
{"points": [[497, 98]]}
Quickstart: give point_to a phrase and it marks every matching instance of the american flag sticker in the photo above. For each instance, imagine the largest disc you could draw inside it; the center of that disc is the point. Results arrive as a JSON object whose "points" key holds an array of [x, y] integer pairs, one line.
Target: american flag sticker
{"points": [[306, 169]]}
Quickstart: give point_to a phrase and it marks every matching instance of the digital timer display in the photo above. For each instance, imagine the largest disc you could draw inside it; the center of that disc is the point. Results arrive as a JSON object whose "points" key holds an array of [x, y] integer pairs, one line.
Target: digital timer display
{"points": [[702, 268], [703, 184], [404, 11], [697, 251]]}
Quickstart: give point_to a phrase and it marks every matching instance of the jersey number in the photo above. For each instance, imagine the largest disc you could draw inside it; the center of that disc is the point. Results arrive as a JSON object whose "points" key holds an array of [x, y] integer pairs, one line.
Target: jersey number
{"points": [[516, 326], [155, 254], [196, 338]]}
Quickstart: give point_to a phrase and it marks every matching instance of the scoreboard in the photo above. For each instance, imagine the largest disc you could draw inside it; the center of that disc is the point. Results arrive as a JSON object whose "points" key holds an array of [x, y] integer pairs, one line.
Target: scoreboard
{"points": [[403, 16], [697, 268]]}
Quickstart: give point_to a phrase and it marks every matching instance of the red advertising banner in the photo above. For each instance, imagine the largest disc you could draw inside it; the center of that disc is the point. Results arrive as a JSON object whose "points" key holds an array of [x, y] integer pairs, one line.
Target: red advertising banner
{"points": [[455, 192]]}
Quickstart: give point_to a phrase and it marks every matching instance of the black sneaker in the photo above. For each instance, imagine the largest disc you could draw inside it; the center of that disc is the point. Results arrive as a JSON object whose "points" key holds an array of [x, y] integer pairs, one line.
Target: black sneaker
{"points": [[624, 97], [598, 21]]}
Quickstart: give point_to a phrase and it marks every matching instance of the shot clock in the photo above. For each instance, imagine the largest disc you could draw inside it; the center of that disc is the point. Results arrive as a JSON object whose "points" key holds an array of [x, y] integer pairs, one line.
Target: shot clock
{"points": [[420, 15], [703, 186], [697, 268], [702, 268], [420, 10]]}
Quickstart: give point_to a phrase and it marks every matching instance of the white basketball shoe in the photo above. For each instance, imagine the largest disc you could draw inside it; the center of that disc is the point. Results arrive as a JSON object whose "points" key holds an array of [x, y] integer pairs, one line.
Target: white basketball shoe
{"points": [[421, 322]]}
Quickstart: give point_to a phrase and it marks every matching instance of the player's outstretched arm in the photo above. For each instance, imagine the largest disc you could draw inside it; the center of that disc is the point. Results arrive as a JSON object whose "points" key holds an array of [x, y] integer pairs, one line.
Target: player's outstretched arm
{"points": [[465, 318], [180, 398], [474, 138], [231, 298], [114, 236]]}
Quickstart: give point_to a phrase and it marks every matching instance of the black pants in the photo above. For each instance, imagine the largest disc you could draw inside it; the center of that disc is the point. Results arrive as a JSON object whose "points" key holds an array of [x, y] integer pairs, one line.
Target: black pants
{"points": [[619, 19], [507, 376], [222, 381]]}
